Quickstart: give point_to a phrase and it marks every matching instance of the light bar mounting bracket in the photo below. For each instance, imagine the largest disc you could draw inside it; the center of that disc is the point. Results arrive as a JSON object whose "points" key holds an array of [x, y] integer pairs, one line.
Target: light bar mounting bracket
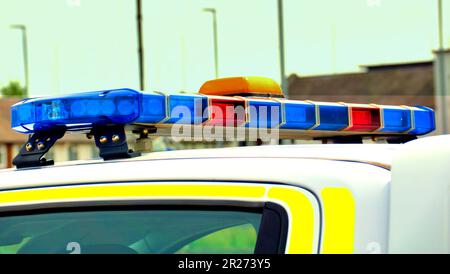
{"points": [[111, 140], [32, 153]]}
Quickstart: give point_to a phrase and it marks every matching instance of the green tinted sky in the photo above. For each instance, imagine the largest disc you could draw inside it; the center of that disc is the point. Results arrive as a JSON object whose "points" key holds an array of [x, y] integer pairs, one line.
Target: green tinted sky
{"points": [[78, 45]]}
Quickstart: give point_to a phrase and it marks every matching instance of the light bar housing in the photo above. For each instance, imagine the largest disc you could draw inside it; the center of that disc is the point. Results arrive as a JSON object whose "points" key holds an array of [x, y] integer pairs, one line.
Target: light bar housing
{"points": [[127, 107]]}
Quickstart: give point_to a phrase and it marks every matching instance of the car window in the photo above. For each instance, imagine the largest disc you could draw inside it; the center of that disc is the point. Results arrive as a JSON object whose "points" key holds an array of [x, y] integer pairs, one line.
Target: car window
{"points": [[239, 239], [132, 231]]}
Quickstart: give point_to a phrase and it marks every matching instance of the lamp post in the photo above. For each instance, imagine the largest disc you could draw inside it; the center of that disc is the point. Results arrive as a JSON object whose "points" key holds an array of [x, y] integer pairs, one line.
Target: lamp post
{"points": [[140, 44], [216, 44], [440, 25], [23, 29], [442, 93], [281, 48]]}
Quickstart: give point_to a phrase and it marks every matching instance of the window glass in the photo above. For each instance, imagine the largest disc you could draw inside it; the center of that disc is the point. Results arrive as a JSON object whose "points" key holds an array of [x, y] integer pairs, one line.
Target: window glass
{"points": [[131, 231], [239, 239]]}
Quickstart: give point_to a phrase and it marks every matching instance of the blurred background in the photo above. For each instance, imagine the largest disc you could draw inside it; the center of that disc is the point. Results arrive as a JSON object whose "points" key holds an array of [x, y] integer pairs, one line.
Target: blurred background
{"points": [[360, 51]]}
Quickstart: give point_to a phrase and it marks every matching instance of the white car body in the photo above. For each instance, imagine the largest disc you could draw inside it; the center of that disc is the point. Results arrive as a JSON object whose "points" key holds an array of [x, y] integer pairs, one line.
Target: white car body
{"points": [[401, 192]]}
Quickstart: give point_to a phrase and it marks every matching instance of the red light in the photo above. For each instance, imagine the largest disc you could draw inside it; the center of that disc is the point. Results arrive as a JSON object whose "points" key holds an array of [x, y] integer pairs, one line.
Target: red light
{"points": [[364, 119], [226, 112]]}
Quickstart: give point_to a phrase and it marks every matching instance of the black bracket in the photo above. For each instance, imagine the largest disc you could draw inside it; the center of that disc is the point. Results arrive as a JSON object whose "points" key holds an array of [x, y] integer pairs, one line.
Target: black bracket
{"points": [[112, 142], [401, 139], [32, 152], [357, 139]]}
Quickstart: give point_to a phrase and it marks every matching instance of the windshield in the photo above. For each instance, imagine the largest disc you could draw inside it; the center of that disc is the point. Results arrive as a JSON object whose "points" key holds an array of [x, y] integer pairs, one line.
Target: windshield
{"points": [[141, 231]]}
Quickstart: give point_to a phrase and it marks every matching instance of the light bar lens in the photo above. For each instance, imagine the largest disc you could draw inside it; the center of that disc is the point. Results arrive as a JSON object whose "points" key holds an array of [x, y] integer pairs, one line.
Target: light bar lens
{"points": [[226, 112], [241, 86], [332, 117], [264, 114], [76, 111], [396, 119], [299, 115], [187, 109], [424, 120], [153, 108], [364, 119]]}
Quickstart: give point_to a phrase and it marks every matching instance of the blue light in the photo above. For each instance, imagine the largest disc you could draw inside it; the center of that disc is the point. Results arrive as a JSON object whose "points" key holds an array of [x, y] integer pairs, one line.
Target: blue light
{"points": [[187, 109], [153, 108], [126, 107], [332, 117], [396, 119], [264, 114], [80, 110], [424, 120], [107, 107], [299, 115]]}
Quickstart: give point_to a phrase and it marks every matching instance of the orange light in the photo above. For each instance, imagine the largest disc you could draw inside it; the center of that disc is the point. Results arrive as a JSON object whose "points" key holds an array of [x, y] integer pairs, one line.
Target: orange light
{"points": [[242, 86]]}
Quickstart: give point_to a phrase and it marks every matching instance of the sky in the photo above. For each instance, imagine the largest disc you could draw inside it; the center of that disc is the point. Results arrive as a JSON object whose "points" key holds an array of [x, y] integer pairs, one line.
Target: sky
{"points": [[83, 45]]}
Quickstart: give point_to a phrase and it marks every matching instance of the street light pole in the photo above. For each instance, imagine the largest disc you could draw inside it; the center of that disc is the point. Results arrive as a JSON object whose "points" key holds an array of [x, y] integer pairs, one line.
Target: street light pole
{"points": [[216, 43], [440, 23], [442, 93], [140, 44], [281, 48], [23, 29]]}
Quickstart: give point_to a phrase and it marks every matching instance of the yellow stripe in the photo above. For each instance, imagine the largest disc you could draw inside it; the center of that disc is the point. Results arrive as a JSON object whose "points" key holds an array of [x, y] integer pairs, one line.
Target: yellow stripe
{"points": [[339, 221], [131, 190], [301, 220]]}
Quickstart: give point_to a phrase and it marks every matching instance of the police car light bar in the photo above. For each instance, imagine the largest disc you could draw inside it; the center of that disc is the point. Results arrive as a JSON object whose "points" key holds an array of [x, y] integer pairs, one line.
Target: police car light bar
{"points": [[125, 106], [96, 110]]}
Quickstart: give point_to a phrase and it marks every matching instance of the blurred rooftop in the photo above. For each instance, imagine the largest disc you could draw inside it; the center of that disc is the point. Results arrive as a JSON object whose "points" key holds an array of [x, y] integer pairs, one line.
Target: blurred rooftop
{"points": [[389, 84]]}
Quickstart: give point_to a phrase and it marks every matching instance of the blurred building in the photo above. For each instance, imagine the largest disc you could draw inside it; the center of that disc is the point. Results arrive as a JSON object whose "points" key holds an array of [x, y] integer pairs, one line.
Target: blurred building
{"points": [[71, 147], [391, 84]]}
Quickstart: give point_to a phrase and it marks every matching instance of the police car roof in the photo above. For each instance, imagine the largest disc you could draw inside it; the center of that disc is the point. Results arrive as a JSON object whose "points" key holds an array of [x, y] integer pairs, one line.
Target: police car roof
{"points": [[100, 171], [378, 154]]}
